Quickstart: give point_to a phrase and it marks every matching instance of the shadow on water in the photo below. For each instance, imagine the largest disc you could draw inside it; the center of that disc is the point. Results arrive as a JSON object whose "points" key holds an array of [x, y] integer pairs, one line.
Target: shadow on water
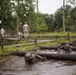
{"points": [[15, 65]]}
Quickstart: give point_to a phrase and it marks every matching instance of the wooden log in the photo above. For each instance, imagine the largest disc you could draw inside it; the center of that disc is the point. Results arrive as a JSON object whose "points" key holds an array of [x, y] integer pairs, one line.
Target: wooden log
{"points": [[59, 56], [70, 43], [48, 47], [73, 48], [51, 56], [19, 53]]}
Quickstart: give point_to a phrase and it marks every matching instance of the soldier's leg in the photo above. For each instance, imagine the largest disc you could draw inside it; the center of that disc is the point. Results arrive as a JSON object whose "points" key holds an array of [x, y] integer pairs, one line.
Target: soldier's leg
{"points": [[26, 35], [2, 43]]}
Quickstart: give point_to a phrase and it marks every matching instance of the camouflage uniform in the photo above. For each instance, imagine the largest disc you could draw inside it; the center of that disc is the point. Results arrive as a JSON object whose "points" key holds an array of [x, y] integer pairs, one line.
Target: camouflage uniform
{"points": [[25, 30], [32, 58]]}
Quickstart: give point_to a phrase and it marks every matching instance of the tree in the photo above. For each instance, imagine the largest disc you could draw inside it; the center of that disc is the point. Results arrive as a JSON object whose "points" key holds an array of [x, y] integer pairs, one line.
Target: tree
{"points": [[42, 24], [49, 20], [58, 23], [8, 20], [73, 13], [59, 19], [6, 13], [68, 20], [25, 12], [15, 11], [73, 16], [73, 2]]}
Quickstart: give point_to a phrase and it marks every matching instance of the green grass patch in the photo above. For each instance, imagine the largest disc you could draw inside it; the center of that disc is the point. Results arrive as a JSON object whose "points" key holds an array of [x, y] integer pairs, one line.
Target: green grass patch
{"points": [[53, 34], [28, 47]]}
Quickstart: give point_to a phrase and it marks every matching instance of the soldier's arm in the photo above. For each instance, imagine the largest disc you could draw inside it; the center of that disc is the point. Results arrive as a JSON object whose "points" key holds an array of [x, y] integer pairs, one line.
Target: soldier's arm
{"points": [[38, 56]]}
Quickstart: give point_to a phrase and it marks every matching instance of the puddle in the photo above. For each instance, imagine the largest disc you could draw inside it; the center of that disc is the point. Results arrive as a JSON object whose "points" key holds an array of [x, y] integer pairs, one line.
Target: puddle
{"points": [[17, 66]]}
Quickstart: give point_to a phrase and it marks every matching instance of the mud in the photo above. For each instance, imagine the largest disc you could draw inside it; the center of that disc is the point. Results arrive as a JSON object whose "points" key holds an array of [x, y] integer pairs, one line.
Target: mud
{"points": [[15, 65]]}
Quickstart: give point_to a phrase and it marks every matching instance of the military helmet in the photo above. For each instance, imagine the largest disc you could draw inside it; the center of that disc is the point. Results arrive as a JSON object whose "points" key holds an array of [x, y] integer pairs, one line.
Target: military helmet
{"points": [[66, 46], [28, 56]]}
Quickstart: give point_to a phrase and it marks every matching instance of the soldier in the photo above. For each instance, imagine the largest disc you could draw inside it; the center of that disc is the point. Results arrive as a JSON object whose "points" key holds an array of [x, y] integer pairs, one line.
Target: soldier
{"points": [[2, 31], [25, 30], [20, 35], [32, 58], [74, 43], [65, 47]]}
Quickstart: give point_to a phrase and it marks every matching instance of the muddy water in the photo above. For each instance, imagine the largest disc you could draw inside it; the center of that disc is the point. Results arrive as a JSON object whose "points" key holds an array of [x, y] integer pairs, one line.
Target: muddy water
{"points": [[15, 65]]}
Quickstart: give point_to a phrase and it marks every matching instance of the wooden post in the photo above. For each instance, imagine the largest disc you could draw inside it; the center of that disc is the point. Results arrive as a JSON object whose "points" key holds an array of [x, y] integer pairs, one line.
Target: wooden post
{"points": [[68, 36], [63, 15], [35, 41]]}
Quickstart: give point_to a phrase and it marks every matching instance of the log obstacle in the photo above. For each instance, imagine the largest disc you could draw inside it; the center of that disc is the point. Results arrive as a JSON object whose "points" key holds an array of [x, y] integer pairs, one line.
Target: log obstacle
{"points": [[70, 43], [73, 48], [50, 55], [48, 47]]}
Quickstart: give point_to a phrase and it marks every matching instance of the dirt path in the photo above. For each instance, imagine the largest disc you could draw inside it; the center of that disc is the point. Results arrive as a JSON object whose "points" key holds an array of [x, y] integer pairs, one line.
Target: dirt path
{"points": [[31, 42]]}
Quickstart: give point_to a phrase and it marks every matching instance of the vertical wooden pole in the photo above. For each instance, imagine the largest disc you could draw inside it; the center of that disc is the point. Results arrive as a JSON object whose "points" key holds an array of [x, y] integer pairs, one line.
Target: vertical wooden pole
{"points": [[63, 15], [68, 36]]}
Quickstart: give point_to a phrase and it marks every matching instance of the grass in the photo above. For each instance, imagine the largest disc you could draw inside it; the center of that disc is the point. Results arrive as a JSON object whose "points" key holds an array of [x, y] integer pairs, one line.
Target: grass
{"points": [[28, 47], [54, 34]]}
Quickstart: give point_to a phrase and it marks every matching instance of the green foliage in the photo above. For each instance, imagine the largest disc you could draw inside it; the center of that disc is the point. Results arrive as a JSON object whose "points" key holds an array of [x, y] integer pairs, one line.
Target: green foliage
{"points": [[73, 2], [73, 16], [58, 20], [49, 20], [5, 14], [14, 12], [42, 27]]}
